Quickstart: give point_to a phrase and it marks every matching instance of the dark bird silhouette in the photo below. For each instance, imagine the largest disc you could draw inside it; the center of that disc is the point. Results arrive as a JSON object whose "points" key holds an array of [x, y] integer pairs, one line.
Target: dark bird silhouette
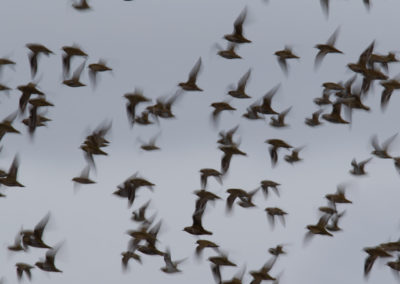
{"points": [[81, 6], [323, 100], [216, 263], [280, 121], [339, 196], [171, 266], [328, 47], [294, 156], [229, 52], [283, 55], [318, 229], [266, 184], [265, 107], [314, 120], [17, 246], [69, 53], [95, 68], [140, 214], [237, 35], [35, 238], [27, 91], [126, 256], [202, 244], [36, 50], [226, 138], [373, 254], [382, 151], [48, 264], [244, 197], [275, 211], [207, 172], [6, 125], [273, 149], [388, 87], [334, 116], [190, 84], [74, 80], [358, 168], [334, 220], [134, 99], [229, 152], [11, 177], [263, 273], [83, 178], [240, 91], [220, 107], [24, 268], [150, 145]]}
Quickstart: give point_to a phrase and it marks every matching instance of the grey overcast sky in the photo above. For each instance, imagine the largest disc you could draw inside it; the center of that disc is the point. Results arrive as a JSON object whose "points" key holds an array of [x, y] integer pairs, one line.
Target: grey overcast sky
{"points": [[152, 45]]}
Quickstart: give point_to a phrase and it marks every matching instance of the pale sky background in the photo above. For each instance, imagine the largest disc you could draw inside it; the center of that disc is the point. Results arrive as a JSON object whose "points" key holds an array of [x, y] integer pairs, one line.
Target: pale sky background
{"points": [[153, 45]]}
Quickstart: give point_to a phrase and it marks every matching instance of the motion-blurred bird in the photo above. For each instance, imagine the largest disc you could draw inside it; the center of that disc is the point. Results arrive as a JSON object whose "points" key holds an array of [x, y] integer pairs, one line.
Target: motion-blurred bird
{"points": [[36, 50], [240, 91], [283, 55], [237, 35], [328, 47], [190, 84]]}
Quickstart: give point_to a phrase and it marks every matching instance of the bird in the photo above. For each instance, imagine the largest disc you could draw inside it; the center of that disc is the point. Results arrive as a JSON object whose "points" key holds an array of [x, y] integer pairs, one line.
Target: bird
{"points": [[273, 149], [226, 138], [140, 214], [334, 116], [48, 263], [81, 6], [283, 55], [220, 107], [240, 91], [263, 273], [266, 184], [170, 266], [95, 68], [229, 52], [190, 84], [6, 125], [275, 211], [388, 87], [324, 100], [294, 156], [314, 120], [358, 168], [229, 152], [280, 121], [83, 178], [382, 151], [237, 35], [373, 254], [24, 268], [11, 177], [126, 256], [202, 244], [208, 172], [35, 238], [17, 246], [134, 99], [318, 229], [339, 196], [265, 107], [74, 80], [27, 91], [69, 53], [328, 47], [36, 50]]}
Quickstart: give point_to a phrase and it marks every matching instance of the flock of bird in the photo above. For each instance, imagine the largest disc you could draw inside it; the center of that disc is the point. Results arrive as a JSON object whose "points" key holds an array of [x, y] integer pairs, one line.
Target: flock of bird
{"points": [[343, 98]]}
